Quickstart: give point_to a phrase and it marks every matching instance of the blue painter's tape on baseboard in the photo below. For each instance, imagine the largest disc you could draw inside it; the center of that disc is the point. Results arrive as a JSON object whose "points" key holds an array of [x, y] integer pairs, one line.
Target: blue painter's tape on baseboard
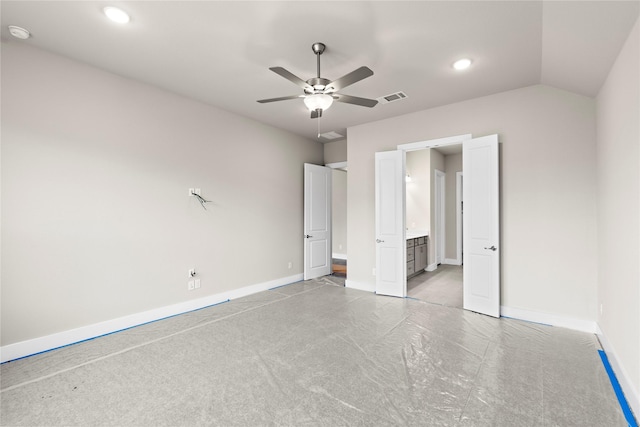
{"points": [[113, 332], [280, 286], [616, 387]]}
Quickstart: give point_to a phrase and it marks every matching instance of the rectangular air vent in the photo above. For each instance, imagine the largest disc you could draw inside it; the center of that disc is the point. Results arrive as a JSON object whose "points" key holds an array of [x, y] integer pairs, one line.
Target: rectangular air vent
{"points": [[392, 97], [331, 135]]}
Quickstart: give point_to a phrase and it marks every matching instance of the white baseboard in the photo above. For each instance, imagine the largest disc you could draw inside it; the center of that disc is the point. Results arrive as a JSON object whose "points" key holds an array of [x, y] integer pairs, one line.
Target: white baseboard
{"points": [[549, 319], [630, 392], [359, 286], [452, 261], [60, 339], [339, 256], [431, 267]]}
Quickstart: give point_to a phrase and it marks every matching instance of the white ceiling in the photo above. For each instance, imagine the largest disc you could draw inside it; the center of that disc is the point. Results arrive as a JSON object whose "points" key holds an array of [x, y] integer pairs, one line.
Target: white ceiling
{"points": [[219, 52]]}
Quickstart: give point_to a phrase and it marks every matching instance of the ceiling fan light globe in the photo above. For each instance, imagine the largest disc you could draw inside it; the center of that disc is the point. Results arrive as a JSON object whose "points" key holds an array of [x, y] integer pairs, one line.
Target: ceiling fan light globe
{"points": [[319, 101]]}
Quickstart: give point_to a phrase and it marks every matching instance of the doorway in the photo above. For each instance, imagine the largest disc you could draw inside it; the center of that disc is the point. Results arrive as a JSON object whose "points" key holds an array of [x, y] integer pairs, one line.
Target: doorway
{"points": [[325, 218], [339, 178], [431, 201], [481, 278], [439, 230], [442, 286]]}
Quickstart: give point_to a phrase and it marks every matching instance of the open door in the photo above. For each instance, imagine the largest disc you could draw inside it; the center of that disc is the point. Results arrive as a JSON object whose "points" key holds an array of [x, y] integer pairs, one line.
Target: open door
{"points": [[481, 224], [317, 221], [391, 273]]}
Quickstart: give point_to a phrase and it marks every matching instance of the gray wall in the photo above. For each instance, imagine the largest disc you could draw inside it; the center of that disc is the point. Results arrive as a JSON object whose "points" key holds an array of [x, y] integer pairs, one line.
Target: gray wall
{"points": [[418, 200], [453, 164], [548, 201], [335, 152], [96, 218], [618, 167]]}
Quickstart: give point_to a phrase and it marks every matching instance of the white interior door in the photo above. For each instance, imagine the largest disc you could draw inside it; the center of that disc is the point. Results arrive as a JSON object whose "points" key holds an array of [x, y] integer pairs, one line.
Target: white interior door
{"points": [[317, 221], [481, 224], [391, 272]]}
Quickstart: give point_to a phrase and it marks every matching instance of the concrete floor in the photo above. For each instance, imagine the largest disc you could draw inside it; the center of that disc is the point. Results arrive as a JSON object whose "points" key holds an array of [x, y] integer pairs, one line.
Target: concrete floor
{"points": [[315, 353]]}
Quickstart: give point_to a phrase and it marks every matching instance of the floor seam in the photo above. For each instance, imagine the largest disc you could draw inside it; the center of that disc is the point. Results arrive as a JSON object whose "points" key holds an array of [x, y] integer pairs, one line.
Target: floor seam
{"points": [[466, 403]]}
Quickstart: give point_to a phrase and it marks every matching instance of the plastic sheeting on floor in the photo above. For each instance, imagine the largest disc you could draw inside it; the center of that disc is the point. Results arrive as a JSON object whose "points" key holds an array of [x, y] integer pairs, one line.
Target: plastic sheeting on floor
{"points": [[313, 353]]}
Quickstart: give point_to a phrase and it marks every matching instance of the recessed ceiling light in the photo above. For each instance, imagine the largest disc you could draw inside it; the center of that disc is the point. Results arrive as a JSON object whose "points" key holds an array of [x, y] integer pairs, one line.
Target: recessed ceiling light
{"points": [[19, 32], [462, 64], [116, 15]]}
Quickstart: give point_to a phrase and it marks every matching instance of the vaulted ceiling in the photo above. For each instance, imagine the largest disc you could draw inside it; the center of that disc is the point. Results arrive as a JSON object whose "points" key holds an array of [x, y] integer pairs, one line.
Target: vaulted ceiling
{"points": [[219, 52]]}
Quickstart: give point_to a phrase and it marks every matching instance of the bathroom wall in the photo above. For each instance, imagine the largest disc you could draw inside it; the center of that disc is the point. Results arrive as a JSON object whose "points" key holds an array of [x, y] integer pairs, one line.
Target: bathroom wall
{"points": [[418, 201], [453, 165]]}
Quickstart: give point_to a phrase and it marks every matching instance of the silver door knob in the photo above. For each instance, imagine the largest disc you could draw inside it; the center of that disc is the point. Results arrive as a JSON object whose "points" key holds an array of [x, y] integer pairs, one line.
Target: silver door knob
{"points": [[492, 248], [379, 241]]}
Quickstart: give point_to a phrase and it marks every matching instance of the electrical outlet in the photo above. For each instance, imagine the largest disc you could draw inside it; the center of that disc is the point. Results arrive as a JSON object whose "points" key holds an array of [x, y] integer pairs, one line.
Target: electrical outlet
{"points": [[374, 271], [600, 309], [197, 283], [191, 191], [192, 272], [191, 285], [340, 247], [290, 265], [197, 191]]}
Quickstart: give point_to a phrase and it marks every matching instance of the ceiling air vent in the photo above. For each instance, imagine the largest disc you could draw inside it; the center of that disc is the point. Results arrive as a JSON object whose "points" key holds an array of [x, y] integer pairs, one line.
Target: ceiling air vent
{"points": [[331, 135], [392, 97]]}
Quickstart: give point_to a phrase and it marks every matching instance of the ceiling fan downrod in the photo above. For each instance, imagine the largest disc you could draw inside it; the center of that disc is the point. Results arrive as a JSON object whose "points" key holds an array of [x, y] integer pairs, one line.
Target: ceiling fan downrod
{"points": [[318, 48]]}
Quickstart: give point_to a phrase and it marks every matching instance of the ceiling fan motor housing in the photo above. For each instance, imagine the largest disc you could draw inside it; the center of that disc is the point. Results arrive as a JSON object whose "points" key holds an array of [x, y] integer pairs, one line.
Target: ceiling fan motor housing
{"points": [[319, 84]]}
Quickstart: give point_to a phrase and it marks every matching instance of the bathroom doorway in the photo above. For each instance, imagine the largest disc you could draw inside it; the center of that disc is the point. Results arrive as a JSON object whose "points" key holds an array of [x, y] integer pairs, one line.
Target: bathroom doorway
{"points": [[432, 201]]}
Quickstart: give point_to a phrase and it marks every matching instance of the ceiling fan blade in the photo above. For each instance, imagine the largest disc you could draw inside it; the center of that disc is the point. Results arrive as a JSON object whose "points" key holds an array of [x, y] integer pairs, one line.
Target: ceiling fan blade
{"points": [[282, 98], [291, 77], [349, 79], [316, 113], [364, 102]]}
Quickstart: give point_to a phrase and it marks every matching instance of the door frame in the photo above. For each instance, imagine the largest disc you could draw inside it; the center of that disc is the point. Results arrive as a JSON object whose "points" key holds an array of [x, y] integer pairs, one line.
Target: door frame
{"points": [[439, 216], [459, 206], [430, 143]]}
